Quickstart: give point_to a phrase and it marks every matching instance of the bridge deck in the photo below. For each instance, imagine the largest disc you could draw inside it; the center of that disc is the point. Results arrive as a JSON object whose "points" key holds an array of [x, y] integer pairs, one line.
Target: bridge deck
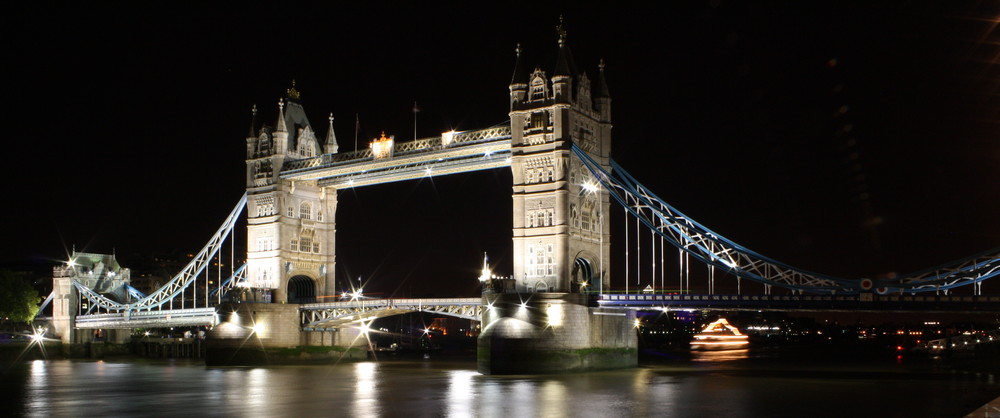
{"points": [[149, 319], [330, 315], [829, 303], [320, 316]]}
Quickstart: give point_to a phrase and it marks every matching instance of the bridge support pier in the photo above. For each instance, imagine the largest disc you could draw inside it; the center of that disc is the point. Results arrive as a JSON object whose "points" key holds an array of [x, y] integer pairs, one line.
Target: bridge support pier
{"points": [[250, 334], [530, 333]]}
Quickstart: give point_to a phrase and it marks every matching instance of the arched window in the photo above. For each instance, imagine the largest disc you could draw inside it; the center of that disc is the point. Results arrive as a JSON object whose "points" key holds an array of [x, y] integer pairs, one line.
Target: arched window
{"points": [[305, 210]]}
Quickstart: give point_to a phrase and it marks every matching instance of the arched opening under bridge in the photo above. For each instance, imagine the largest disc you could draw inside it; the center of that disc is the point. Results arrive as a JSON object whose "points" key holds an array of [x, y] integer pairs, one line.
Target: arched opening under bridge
{"points": [[301, 289], [583, 278]]}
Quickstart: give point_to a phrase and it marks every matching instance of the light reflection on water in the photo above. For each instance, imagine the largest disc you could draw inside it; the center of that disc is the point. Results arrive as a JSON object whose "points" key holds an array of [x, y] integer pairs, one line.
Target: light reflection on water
{"points": [[460, 394], [365, 391], [720, 355], [706, 386]]}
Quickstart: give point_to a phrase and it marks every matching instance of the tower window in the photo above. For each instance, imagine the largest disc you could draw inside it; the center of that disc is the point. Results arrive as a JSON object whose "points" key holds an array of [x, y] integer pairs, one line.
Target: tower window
{"points": [[305, 210], [540, 260], [538, 120]]}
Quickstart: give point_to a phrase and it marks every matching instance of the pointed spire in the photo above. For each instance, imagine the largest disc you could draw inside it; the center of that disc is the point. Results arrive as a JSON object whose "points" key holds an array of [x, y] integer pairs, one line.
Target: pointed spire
{"points": [[602, 83], [253, 121], [281, 115], [520, 76], [331, 138], [561, 31], [564, 63]]}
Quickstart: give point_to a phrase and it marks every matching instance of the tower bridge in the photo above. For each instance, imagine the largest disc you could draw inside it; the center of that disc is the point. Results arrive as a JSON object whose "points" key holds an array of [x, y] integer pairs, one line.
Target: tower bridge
{"points": [[560, 302]]}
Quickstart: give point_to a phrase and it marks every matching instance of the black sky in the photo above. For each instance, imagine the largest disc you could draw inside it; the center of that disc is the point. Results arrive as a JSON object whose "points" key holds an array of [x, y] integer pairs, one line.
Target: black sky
{"points": [[847, 138]]}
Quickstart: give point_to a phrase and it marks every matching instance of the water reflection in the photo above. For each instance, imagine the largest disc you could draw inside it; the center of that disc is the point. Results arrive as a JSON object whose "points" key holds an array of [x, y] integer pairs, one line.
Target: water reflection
{"points": [[554, 394], [461, 392], [365, 391], [426, 388], [720, 355], [38, 381], [257, 385]]}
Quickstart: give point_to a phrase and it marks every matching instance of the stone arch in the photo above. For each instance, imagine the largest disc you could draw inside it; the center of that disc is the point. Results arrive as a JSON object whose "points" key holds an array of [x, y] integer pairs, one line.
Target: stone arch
{"points": [[301, 289], [541, 286], [583, 273]]}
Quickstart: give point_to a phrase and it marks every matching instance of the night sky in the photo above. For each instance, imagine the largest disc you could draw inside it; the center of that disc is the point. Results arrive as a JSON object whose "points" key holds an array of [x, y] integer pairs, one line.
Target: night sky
{"points": [[847, 138]]}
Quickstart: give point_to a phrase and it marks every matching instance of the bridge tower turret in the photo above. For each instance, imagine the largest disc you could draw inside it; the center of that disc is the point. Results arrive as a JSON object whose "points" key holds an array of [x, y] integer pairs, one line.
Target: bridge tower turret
{"points": [[561, 238], [290, 226]]}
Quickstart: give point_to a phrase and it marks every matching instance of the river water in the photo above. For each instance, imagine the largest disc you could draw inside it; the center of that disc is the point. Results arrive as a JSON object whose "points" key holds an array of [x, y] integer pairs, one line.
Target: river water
{"points": [[731, 384]]}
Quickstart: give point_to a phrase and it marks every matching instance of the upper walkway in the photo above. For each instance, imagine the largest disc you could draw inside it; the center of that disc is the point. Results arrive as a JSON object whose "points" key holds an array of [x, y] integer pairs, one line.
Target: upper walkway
{"points": [[452, 152]]}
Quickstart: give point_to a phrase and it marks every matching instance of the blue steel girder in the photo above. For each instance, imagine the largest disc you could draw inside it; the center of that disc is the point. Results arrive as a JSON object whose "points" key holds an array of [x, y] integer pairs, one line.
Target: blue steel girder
{"points": [[715, 250], [973, 270], [237, 279], [178, 283], [340, 314]]}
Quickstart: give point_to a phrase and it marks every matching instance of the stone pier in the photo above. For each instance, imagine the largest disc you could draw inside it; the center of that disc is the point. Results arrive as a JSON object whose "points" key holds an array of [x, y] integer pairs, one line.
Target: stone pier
{"points": [[269, 333], [531, 333]]}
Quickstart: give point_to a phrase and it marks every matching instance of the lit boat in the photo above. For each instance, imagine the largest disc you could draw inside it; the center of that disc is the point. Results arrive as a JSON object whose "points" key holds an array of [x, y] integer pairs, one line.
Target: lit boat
{"points": [[719, 335]]}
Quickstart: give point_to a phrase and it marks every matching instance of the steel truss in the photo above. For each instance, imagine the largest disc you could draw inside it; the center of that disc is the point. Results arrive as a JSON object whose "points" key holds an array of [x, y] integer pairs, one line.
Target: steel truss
{"points": [[319, 316], [178, 283], [712, 249], [149, 319]]}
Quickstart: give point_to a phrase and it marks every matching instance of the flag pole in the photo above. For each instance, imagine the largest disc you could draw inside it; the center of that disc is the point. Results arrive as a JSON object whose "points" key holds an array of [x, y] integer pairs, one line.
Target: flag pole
{"points": [[415, 110]]}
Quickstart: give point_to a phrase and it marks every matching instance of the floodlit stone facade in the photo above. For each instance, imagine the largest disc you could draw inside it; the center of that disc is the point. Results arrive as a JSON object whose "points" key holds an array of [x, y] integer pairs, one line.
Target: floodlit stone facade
{"points": [[290, 223], [561, 234]]}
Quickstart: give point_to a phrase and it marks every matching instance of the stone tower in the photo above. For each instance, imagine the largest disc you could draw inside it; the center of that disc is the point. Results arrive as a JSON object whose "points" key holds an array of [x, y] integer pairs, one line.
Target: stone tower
{"points": [[561, 237], [290, 224]]}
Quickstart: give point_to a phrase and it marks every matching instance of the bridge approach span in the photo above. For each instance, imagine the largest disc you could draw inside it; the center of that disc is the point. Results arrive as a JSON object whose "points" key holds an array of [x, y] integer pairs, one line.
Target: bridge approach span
{"points": [[865, 302], [323, 316]]}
